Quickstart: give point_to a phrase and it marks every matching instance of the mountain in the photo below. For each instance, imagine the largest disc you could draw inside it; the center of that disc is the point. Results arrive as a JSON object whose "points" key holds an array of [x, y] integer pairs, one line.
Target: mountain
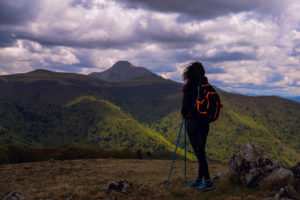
{"points": [[44, 108], [269, 121], [50, 108], [294, 98], [122, 70]]}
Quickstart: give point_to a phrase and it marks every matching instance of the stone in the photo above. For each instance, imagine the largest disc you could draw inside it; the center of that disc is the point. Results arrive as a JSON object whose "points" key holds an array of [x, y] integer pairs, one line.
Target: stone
{"points": [[287, 192], [142, 186], [251, 164], [296, 170], [15, 196], [220, 175], [107, 198], [121, 186], [279, 174], [70, 198], [126, 186]]}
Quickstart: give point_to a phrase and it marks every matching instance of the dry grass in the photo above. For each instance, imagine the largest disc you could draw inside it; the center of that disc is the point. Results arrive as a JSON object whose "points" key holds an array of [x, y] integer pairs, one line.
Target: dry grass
{"points": [[83, 179]]}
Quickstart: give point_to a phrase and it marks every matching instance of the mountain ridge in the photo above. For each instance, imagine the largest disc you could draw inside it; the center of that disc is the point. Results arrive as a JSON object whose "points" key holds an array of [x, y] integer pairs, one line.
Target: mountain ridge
{"points": [[35, 103]]}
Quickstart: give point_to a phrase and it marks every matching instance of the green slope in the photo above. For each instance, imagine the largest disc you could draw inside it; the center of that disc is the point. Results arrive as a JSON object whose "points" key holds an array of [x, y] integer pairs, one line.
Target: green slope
{"points": [[233, 130], [147, 99], [89, 120], [114, 129], [33, 110]]}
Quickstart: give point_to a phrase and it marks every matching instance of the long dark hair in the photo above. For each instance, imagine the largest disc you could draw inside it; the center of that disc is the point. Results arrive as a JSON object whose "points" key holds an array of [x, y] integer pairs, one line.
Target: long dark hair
{"points": [[192, 74]]}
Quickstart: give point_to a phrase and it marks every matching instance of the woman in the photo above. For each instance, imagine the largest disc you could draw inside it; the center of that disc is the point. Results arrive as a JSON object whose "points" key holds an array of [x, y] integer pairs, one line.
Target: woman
{"points": [[193, 75]]}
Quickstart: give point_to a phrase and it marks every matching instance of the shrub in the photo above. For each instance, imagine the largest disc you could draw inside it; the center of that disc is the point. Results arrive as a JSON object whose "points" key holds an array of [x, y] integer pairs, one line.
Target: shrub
{"points": [[4, 157], [78, 151], [21, 153]]}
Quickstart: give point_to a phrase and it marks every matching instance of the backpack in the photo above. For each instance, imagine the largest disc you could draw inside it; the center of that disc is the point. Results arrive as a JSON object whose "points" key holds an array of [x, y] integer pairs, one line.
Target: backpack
{"points": [[208, 103]]}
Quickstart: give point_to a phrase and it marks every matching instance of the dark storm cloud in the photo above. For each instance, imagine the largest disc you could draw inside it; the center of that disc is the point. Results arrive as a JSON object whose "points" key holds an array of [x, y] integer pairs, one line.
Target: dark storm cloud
{"points": [[173, 37], [229, 56], [6, 38], [70, 40], [205, 9], [15, 13], [18, 11], [154, 33]]}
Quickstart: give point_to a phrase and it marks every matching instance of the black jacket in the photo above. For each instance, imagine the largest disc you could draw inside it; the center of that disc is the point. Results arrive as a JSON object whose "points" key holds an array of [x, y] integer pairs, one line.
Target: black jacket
{"points": [[189, 98]]}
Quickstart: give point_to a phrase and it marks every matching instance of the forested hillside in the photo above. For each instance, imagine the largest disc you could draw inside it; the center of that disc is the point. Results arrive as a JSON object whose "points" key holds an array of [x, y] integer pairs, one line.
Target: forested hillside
{"points": [[49, 109]]}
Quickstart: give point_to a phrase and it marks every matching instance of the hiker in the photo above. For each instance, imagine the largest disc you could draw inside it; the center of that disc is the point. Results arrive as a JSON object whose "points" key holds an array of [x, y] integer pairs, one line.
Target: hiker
{"points": [[197, 129]]}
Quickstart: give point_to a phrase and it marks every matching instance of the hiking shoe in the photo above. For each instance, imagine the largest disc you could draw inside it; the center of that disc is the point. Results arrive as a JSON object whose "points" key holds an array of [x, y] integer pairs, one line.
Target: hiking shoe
{"points": [[195, 183], [206, 185]]}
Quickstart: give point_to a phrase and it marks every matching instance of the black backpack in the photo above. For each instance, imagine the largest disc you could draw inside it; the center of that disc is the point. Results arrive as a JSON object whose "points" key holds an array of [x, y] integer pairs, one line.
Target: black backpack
{"points": [[208, 103]]}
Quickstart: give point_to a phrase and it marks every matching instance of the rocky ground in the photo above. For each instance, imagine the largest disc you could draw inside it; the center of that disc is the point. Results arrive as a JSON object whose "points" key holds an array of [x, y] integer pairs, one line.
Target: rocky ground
{"points": [[250, 174]]}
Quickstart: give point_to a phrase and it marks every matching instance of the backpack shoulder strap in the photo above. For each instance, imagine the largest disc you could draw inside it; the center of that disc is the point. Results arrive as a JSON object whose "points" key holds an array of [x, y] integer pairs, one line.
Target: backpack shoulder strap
{"points": [[200, 89]]}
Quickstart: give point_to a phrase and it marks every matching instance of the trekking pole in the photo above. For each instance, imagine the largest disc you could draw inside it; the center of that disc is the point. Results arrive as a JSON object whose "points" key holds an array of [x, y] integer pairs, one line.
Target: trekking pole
{"points": [[184, 152], [175, 152]]}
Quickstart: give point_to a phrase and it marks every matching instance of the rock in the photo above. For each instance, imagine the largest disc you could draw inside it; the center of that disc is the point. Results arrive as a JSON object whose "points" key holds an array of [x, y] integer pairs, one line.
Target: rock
{"points": [[251, 164], [121, 186], [15, 196], [70, 198], [280, 194], [279, 175], [296, 171], [287, 193], [108, 198], [220, 175], [126, 186], [142, 186]]}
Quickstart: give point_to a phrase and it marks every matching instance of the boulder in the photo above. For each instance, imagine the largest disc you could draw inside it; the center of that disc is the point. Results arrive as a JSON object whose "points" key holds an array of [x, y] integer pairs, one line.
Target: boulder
{"points": [[120, 186], [252, 164], [296, 170], [15, 196], [279, 175], [286, 193]]}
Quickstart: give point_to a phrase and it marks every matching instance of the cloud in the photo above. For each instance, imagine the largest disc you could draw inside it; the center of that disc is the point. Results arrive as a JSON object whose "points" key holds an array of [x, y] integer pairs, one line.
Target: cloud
{"points": [[18, 11], [26, 55], [206, 9], [7, 38], [228, 56], [242, 44], [97, 25]]}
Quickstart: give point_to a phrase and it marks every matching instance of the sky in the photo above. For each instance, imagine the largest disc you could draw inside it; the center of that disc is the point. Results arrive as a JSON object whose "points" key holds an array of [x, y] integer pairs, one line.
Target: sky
{"points": [[249, 47]]}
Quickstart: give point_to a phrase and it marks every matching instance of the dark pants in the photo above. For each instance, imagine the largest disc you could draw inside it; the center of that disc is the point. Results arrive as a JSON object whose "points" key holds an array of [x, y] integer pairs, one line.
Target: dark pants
{"points": [[197, 133]]}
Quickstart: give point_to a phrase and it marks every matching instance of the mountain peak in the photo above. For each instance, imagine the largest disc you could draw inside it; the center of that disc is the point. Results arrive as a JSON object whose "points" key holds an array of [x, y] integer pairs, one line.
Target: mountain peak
{"points": [[40, 71], [122, 64], [122, 70]]}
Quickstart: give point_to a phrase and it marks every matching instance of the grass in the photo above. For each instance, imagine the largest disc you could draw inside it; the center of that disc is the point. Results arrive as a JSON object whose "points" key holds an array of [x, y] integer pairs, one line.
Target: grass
{"points": [[84, 179], [223, 140]]}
